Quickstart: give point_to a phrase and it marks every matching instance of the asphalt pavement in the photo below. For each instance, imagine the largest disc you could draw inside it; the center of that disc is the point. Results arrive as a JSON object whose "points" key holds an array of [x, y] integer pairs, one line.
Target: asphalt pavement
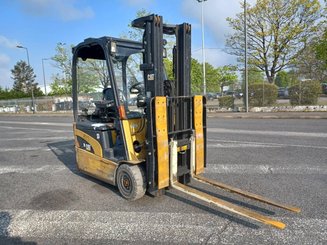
{"points": [[44, 199]]}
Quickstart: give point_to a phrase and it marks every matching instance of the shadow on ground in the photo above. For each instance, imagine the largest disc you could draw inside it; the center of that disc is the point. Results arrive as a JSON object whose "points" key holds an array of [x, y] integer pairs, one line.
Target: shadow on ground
{"points": [[65, 152], [5, 220]]}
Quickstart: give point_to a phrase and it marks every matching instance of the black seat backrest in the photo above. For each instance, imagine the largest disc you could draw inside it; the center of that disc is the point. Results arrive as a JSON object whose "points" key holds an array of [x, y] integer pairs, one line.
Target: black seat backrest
{"points": [[108, 94]]}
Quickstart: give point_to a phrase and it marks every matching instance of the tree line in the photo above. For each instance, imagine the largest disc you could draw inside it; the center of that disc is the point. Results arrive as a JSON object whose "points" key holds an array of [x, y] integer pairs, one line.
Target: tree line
{"points": [[287, 42]]}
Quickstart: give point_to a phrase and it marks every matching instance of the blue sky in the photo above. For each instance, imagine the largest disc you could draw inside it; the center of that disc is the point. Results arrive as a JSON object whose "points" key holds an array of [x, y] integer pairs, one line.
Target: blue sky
{"points": [[40, 24]]}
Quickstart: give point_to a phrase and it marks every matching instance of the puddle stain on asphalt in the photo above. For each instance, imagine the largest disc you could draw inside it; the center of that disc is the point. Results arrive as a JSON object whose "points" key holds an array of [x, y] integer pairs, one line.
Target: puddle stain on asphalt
{"points": [[53, 200]]}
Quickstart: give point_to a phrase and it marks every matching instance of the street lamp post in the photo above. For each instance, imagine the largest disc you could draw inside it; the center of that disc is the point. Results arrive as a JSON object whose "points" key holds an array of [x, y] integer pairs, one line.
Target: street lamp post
{"points": [[45, 86], [28, 62], [203, 52], [246, 61]]}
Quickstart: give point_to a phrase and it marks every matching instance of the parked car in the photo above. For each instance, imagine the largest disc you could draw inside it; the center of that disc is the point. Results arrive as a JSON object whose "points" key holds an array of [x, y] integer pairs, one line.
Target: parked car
{"points": [[324, 88], [283, 93], [236, 95], [211, 96]]}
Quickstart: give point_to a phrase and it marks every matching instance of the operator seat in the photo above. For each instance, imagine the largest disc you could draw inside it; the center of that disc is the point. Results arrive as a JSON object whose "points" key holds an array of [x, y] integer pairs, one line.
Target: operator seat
{"points": [[108, 94], [105, 110]]}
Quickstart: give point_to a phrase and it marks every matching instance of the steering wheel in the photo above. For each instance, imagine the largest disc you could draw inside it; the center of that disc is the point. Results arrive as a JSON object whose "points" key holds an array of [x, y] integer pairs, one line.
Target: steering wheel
{"points": [[104, 103], [136, 88]]}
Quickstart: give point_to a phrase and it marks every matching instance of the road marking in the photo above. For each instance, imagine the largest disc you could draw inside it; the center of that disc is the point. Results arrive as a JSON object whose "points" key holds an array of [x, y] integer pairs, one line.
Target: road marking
{"points": [[39, 123], [40, 148], [264, 169], [212, 168], [37, 138], [235, 143], [32, 170], [259, 132], [121, 226], [147, 226], [37, 129], [240, 145]]}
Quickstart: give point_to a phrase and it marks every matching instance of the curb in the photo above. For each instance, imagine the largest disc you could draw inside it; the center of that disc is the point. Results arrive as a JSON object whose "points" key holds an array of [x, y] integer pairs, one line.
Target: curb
{"points": [[269, 115]]}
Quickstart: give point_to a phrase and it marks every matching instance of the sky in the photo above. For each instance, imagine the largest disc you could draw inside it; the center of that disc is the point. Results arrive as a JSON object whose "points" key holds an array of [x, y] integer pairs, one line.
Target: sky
{"points": [[39, 25]]}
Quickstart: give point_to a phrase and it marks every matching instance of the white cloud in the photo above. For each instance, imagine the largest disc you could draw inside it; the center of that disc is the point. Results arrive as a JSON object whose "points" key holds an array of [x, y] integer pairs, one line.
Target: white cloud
{"points": [[6, 42], [4, 71], [215, 14], [138, 2], [215, 57], [64, 9]]}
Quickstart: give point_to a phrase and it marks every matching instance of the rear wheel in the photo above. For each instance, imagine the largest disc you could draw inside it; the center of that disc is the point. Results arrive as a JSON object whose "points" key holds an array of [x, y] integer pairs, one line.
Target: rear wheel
{"points": [[131, 181]]}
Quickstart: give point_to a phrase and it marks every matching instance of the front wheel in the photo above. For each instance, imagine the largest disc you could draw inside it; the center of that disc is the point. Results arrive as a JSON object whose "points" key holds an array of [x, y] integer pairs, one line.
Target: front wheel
{"points": [[131, 181]]}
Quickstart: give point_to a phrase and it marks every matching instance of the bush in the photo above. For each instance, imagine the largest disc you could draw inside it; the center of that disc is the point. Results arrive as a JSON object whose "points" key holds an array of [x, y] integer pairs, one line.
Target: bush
{"points": [[226, 101], [262, 94], [305, 93]]}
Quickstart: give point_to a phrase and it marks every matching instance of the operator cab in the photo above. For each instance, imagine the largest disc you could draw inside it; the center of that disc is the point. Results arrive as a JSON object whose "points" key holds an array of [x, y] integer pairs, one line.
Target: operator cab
{"points": [[108, 84], [106, 70]]}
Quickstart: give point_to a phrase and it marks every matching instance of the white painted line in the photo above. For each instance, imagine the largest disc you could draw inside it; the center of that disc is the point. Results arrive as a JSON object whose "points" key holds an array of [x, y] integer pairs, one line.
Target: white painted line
{"points": [[37, 138], [235, 143], [17, 149], [273, 133], [155, 227], [39, 123], [37, 129], [264, 169], [32, 170], [40, 148], [118, 226], [240, 145]]}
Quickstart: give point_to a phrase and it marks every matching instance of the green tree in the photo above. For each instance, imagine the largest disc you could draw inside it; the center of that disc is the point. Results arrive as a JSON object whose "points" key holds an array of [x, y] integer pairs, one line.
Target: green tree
{"points": [[24, 78], [277, 31], [321, 49], [283, 79], [226, 76], [60, 86], [196, 76], [63, 61], [255, 76], [92, 75]]}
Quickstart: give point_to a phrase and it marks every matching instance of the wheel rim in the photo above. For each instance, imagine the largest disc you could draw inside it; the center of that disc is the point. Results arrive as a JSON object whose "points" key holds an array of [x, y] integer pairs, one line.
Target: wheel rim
{"points": [[126, 183]]}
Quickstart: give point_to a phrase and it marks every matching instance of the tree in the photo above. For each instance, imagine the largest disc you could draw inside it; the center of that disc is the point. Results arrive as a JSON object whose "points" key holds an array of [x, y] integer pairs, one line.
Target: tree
{"points": [[196, 76], [277, 30], [63, 61], [226, 76], [24, 78], [311, 63], [92, 73], [255, 76], [283, 79], [320, 49]]}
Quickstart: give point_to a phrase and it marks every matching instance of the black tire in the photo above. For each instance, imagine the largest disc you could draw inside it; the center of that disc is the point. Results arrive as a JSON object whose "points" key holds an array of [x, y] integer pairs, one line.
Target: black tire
{"points": [[131, 182]]}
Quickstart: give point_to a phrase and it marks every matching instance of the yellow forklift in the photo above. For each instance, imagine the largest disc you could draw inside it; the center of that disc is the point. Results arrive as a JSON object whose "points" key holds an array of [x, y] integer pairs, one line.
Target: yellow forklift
{"points": [[144, 132]]}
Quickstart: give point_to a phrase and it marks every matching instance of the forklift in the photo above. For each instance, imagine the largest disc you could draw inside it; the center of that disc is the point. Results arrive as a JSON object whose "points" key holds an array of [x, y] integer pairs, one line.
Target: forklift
{"points": [[144, 132]]}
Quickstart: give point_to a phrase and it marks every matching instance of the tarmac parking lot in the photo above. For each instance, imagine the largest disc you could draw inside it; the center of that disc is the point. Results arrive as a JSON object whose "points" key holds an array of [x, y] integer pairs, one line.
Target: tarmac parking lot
{"points": [[44, 199]]}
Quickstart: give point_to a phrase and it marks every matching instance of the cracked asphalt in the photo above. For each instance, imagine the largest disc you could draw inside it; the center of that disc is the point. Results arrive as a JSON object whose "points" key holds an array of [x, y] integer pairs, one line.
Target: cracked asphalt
{"points": [[45, 200]]}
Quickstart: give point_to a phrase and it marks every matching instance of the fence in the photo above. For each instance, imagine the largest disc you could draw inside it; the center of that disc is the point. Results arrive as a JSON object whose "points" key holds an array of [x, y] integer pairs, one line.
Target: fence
{"points": [[44, 104]]}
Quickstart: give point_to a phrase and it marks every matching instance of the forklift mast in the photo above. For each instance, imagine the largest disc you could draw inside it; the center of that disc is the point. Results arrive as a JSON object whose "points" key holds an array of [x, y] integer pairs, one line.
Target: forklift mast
{"points": [[179, 104]]}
